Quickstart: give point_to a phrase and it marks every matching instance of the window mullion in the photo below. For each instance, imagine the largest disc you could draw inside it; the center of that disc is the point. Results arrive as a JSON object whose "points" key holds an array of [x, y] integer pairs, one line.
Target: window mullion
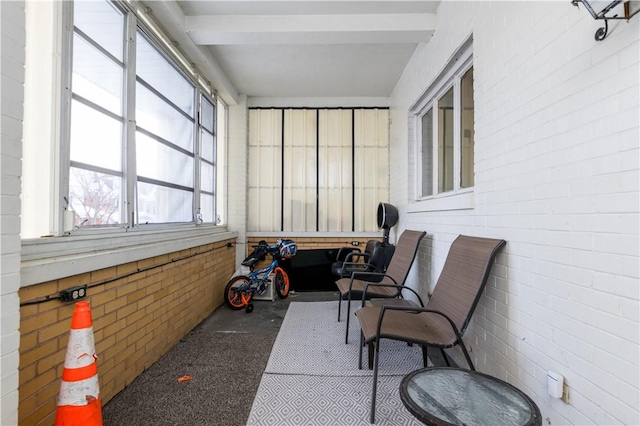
{"points": [[216, 193], [63, 154], [196, 157], [130, 122], [419, 148]]}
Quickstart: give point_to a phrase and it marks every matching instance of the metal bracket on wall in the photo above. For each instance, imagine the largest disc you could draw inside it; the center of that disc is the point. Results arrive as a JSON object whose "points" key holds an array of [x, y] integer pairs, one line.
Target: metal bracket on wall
{"points": [[630, 8]]}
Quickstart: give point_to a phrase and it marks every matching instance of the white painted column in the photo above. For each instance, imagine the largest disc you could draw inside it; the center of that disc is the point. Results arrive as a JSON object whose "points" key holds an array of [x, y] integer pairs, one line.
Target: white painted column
{"points": [[238, 174]]}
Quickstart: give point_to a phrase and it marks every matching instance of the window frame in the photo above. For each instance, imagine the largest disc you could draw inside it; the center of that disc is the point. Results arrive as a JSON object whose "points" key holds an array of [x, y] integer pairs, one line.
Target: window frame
{"points": [[135, 27], [449, 78], [47, 251], [200, 128]]}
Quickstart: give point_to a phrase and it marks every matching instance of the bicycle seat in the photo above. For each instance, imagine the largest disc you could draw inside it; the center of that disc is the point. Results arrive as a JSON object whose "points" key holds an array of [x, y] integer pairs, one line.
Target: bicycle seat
{"points": [[259, 253]]}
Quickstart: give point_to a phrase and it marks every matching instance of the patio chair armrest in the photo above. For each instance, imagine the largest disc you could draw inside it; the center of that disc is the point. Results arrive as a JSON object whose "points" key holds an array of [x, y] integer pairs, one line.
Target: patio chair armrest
{"points": [[366, 286], [372, 274], [348, 251], [355, 256], [400, 287], [347, 264], [358, 268], [359, 274]]}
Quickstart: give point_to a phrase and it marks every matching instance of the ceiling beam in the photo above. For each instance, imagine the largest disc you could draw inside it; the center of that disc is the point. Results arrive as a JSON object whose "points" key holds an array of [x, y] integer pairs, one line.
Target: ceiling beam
{"points": [[310, 29]]}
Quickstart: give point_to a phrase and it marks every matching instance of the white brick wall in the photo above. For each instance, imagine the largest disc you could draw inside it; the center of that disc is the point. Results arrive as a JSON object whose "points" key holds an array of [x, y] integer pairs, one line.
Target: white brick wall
{"points": [[12, 58], [557, 176]]}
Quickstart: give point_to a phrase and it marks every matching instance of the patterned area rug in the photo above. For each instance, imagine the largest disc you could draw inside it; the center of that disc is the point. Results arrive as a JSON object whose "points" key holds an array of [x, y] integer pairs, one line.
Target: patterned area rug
{"points": [[312, 377], [311, 342]]}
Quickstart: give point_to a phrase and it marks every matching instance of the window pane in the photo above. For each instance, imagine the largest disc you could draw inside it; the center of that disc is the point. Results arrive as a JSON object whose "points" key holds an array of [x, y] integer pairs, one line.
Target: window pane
{"points": [[157, 161], [206, 208], [206, 177], [159, 204], [445, 142], [207, 115], [427, 153], [103, 23], [96, 139], [156, 71], [159, 118], [96, 77], [206, 151], [467, 134], [95, 197]]}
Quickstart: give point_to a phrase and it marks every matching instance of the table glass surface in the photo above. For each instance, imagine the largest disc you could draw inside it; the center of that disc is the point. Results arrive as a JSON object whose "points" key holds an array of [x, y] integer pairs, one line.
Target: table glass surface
{"points": [[464, 397]]}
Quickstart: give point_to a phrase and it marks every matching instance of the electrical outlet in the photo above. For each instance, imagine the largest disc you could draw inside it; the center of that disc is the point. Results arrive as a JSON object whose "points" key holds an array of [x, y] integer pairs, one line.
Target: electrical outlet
{"points": [[565, 393], [73, 293], [355, 243]]}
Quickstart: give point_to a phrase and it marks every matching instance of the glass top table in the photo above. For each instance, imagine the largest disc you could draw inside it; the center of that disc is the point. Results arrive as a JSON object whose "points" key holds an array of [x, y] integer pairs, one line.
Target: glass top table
{"points": [[453, 396]]}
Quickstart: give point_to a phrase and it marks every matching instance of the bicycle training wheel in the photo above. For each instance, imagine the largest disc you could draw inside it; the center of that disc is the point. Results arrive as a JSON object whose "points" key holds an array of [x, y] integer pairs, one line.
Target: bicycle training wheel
{"points": [[281, 282], [236, 293]]}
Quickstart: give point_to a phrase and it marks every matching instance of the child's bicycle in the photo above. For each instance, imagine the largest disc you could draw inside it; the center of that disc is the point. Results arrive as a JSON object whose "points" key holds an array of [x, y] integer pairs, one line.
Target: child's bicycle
{"points": [[241, 288]]}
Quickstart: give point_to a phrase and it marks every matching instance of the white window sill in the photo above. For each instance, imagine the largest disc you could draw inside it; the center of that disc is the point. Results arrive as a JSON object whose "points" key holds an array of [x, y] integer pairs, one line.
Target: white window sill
{"points": [[444, 202], [46, 259]]}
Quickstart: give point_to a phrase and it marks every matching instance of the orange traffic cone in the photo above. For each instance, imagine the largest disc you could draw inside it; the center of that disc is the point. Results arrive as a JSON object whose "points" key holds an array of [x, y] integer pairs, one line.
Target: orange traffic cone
{"points": [[79, 398]]}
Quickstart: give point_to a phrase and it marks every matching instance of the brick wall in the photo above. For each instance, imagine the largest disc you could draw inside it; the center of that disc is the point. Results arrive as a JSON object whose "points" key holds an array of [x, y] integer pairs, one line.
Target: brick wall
{"points": [[557, 177], [12, 58], [308, 243], [140, 310]]}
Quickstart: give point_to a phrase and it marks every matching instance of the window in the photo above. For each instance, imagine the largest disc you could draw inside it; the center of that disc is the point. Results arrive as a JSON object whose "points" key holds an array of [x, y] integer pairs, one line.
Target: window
{"points": [[317, 170], [445, 135], [142, 131]]}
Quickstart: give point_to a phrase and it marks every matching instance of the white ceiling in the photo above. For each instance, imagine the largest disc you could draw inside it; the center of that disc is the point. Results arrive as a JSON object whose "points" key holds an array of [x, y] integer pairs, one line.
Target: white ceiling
{"points": [[305, 48]]}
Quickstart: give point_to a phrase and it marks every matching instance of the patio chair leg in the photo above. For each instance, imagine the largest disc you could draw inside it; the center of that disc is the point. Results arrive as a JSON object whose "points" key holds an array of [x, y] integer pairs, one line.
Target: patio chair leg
{"points": [[444, 355], [360, 355], [466, 355], [372, 416], [425, 356], [370, 355], [346, 333]]}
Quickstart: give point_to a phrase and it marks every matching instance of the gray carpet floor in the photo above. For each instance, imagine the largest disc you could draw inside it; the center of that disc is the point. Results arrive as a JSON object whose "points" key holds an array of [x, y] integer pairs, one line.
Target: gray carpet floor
{"points": [[226, 356], [226, 371]]}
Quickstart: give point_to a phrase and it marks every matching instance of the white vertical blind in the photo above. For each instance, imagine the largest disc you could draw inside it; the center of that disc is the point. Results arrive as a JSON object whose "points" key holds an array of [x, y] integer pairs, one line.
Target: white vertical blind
{"points": [[300, 170], [265, 165], [335, 174], [371, 161], [320, 170]]}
